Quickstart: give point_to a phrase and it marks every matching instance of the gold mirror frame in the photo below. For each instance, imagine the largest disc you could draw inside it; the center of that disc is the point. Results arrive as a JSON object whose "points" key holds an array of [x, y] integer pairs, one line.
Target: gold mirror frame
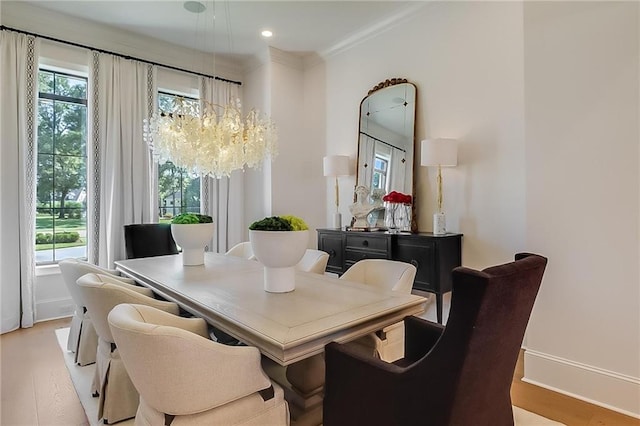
{"points": [[386, 136]]}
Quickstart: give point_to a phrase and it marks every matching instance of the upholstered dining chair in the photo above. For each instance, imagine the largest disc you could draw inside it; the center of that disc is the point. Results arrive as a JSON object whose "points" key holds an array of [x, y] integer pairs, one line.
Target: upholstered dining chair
{"points": [[148, 240], [101, 293], [458, 374], [185, 378], [313, 261], [388, 343], [241, 250], [83, 340]]}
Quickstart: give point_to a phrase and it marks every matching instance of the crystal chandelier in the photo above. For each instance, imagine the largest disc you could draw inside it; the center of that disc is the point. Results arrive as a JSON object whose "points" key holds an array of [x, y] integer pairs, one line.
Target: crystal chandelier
{"points": [[214, 142]]}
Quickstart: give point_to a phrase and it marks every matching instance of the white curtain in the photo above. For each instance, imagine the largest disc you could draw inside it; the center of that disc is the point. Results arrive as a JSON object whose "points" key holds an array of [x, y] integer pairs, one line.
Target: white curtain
{"points": [[18, 95], [223, 198], [123, 175]]}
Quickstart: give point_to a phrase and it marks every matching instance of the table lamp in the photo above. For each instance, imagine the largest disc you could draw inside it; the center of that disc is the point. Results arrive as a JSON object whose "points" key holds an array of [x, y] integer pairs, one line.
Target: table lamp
{"points": [[440, 153], [334, 166]]}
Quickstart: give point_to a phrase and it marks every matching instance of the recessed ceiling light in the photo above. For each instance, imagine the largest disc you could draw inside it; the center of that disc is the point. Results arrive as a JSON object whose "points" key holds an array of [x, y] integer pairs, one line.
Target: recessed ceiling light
{"points": [[266, 33], [194, 6]]}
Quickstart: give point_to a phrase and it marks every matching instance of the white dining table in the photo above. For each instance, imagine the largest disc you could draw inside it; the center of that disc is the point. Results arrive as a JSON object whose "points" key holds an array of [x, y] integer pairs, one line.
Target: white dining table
{"points": [[228, 292]]}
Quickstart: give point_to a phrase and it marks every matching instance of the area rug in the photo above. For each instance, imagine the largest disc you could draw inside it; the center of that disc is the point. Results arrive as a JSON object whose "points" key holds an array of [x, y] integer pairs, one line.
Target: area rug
{"points": [[82, 377]]}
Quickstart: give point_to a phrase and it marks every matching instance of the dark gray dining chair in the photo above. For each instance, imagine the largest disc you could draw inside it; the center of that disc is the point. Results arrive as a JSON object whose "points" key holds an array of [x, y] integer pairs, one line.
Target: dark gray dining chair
{"points": [[148, 240]]}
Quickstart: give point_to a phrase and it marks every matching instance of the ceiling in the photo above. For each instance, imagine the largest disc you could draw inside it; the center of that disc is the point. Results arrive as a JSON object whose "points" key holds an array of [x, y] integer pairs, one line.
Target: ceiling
{"points": [[232, 27]]}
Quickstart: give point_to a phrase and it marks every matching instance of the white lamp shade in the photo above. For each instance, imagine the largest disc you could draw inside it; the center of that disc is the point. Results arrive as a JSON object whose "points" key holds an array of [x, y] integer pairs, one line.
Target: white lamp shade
{"points": [[336, 165], [439, 152]]}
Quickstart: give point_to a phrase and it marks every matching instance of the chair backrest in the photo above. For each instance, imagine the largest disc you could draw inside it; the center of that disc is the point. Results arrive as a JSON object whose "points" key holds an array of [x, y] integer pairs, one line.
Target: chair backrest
{"points": [[241, 250], [313, 261], [102, 293], [72, 269], [178, 371], [382, 273], [473, 362], [148, 240]]}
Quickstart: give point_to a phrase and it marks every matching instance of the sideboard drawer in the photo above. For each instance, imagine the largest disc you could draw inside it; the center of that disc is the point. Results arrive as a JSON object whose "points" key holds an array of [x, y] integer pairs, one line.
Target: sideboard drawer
{"points": [[368, 242], [356, 255]]}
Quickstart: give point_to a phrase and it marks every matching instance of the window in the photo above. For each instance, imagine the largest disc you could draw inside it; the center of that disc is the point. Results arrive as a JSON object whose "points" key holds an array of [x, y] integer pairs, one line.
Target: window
{"points": [[61, 209], [380, 168], [178, 190]]}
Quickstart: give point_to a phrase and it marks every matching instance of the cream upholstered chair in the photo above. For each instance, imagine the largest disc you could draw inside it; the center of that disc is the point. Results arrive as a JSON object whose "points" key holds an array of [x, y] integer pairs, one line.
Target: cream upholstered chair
{"points": [[313, 261], [388, 343], [241, 250], [118, 396], [83, 340], [186, 379]]}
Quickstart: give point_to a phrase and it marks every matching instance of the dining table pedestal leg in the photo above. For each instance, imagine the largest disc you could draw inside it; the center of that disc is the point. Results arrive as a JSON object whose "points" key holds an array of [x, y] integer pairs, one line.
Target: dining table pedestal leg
{"points": [[303, 384]]}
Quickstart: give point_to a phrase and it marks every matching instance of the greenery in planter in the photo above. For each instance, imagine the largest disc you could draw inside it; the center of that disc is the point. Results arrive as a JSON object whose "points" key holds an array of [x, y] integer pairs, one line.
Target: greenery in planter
{"points": [[279, 223], [191, 218]]}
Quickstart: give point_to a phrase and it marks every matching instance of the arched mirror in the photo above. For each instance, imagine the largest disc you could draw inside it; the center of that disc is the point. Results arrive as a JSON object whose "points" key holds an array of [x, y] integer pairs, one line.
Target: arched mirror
{"points": [[386, 141]]}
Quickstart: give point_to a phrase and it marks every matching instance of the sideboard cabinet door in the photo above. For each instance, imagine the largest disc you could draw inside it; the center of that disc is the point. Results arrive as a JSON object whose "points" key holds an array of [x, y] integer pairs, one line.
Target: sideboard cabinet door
{"points": [[420, 253], [333, 243]]}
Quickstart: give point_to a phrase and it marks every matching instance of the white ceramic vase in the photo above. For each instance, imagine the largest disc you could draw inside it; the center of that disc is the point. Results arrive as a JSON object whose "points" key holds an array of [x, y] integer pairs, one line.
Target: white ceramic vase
{"points": [[192, 238], [279, 252]]}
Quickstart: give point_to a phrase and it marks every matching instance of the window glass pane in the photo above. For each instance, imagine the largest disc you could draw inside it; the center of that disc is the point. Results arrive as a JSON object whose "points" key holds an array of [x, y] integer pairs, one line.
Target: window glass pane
{"points": [[45, 126], [44, 182], [70, 129], [191, 185], [44, 234], [170, 103], [72, 87], [45, 82]]}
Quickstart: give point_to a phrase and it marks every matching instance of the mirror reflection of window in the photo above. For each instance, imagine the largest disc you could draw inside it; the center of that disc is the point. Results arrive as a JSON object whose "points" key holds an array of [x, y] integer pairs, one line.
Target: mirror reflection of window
{"points": [[380, 168]]}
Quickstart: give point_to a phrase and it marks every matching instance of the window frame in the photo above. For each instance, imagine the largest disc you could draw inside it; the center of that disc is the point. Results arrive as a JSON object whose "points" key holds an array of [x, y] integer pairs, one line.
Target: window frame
{"points": [[53, 97]]}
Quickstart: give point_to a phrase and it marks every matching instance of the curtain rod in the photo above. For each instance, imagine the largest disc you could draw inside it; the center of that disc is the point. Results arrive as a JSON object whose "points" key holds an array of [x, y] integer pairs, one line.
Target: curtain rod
{"points": [[386, 143], [4, 27]]}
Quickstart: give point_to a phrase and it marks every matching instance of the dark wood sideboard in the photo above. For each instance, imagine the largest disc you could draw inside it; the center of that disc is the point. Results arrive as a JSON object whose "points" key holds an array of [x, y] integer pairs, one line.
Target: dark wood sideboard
{"points": [[434, 256]]}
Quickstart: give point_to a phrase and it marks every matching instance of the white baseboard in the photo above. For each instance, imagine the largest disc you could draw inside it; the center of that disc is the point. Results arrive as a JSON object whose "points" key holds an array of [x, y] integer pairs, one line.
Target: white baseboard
{"points": [[608, 389], [54, 308]]}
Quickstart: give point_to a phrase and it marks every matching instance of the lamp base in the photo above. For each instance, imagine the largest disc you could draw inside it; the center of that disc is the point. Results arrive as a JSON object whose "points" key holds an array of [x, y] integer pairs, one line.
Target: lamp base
{"points": [[337, 220], [439, 224]]}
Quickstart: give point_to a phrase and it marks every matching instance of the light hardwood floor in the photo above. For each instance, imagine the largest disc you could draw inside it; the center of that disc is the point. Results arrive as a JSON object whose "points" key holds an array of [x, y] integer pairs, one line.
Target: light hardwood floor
{"points": [[37, 390]]}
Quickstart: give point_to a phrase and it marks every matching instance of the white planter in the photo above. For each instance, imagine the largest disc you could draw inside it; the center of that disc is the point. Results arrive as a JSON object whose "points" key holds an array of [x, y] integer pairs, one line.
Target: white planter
{"points": [[279, 252], [192, 238]]}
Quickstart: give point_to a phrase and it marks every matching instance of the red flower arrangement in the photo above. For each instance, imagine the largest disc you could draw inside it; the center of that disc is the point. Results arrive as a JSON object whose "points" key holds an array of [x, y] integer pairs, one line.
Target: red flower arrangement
{"points": [[397, 197]]}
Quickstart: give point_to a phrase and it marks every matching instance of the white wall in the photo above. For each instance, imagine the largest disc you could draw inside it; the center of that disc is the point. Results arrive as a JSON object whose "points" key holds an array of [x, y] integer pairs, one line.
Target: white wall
{"points": [[257, 94], [293, 183], [581, 103], [544, 100], [474, 95]]}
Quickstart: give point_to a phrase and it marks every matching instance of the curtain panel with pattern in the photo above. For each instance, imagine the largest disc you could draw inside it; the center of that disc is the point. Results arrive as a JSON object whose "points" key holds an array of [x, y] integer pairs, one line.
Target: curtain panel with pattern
{"points": [[18, 130]]}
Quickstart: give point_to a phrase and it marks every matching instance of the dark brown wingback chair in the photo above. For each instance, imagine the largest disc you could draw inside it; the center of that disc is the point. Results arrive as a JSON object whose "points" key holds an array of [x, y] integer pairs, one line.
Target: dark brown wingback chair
{"points": [[149, 239], [458, 374]]}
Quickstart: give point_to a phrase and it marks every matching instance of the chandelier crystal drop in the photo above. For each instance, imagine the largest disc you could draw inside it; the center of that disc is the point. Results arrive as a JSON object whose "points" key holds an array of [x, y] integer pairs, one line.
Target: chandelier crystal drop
{"points": [[214, 142]]}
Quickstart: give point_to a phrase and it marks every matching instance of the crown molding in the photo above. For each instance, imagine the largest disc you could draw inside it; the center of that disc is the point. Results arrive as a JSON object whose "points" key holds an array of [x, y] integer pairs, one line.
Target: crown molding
{"points": [[274, 55], [374, 30]]}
